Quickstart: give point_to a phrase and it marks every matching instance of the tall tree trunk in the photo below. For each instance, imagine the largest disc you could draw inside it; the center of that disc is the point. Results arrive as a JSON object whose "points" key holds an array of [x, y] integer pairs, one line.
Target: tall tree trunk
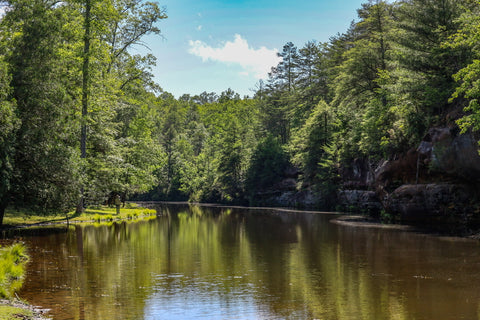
{"points": [[3, 205], [85, 93]]}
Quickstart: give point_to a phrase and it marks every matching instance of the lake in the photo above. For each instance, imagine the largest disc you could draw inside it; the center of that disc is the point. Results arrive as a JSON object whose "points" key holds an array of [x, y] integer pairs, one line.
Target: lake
{"points": [[201, 262]]}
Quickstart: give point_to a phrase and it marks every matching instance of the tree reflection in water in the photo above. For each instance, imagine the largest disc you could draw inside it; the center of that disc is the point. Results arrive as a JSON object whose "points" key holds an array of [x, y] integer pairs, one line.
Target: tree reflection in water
{"points": [[220, 263]]}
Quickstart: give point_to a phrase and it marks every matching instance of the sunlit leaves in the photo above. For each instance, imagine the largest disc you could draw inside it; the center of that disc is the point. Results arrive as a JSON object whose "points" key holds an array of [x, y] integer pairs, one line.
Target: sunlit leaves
{"points": [[43, 44], [307, 143], [468, 78], [45, 167]]}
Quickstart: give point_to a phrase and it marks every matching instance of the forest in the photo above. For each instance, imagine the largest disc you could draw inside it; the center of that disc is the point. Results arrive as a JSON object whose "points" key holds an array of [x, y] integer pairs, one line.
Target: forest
{"points": [[83, 121]]}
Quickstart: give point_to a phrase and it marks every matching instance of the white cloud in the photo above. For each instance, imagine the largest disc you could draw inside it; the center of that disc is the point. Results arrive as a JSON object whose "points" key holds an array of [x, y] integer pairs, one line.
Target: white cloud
{"points": [[199, 28], [258, 61]]}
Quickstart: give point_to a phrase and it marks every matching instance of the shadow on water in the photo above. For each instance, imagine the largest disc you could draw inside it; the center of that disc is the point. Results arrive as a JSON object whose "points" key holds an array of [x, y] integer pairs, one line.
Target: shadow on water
{"points": [[15, 233]]}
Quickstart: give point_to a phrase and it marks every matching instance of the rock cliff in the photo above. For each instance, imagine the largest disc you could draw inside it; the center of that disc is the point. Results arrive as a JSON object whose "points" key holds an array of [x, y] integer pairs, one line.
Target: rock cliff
{"points": [[438, 182]]}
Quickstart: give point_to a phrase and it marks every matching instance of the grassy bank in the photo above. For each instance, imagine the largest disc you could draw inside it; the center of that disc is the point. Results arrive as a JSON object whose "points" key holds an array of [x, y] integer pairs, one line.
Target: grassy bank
{"points": [[12, 270], [14, 309], [17, 218], [10, 312]]}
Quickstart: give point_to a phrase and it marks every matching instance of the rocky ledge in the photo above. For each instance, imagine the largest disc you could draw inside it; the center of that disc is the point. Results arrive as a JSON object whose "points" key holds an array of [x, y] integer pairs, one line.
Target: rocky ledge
{"points": [[438, 182]]}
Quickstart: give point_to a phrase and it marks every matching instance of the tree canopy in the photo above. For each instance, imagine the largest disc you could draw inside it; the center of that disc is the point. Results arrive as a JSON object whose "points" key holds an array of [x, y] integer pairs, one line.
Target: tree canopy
{"points": [[82, 121]]}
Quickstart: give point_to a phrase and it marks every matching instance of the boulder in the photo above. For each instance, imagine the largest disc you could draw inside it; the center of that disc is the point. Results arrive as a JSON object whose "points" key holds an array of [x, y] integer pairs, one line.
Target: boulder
{"points": [[390, 174], [448, 152], [432, 203]]}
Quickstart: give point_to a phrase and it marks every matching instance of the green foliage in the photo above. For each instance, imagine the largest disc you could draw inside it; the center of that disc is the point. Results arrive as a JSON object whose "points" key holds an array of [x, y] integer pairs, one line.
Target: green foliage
{"points": [[122, 156], [267, 166], [42, 94], [8, 125], [294, 87], [362, 104], [306, 146], [422, 81], [12, 269], [230, 162], [370, 92], [207, 141], [468, 78], [356, 81], [45, 166], [327, 178], [387, 218]]}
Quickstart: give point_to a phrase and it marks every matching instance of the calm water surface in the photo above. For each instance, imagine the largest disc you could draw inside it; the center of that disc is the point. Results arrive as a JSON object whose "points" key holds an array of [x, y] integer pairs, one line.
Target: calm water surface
{"points": [[218, 263]]}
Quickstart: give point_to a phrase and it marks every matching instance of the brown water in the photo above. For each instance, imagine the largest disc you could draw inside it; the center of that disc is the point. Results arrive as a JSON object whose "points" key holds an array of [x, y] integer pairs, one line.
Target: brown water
{"points": [[211, 263]]}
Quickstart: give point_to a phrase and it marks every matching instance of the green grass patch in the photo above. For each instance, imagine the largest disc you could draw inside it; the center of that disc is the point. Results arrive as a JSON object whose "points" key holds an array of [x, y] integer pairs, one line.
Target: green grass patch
{"points": [[12, 269], [131, 205], [94, 214], [149, 212], [19, 217], [110, 214], [9, 313]]}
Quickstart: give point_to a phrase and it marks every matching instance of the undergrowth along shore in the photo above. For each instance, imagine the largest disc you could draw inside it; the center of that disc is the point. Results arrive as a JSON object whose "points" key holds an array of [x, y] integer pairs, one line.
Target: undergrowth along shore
{"points": [[17, 309], [13, 259], [18, 218]]}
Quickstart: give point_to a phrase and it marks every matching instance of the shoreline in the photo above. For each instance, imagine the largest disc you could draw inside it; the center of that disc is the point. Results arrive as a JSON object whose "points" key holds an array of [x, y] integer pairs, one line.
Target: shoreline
{"points": [[13, 220], [358, 221], [344, 218], [361, 221], [22, 310]]}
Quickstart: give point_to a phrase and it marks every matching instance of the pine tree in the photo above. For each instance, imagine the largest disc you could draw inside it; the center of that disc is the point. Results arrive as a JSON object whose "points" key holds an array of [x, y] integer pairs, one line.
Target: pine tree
{"points": [[422, 83]]}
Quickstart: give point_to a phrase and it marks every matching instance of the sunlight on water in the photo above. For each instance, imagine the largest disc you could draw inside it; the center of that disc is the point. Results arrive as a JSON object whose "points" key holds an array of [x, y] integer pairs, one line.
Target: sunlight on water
{"points": [[201, 300]]}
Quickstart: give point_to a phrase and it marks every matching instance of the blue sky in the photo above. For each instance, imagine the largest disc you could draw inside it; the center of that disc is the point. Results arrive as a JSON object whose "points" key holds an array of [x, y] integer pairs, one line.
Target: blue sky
{"points": [[213, 45]]}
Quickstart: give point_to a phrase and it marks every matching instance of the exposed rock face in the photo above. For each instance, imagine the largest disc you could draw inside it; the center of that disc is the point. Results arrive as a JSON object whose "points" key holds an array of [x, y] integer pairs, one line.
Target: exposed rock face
{"points": [[442, 155], [356, 195], [359, 175], [391, 174], [285, 193], [360, 200], [437, 202], [451, 153], [290, 198], [436, 182]]}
